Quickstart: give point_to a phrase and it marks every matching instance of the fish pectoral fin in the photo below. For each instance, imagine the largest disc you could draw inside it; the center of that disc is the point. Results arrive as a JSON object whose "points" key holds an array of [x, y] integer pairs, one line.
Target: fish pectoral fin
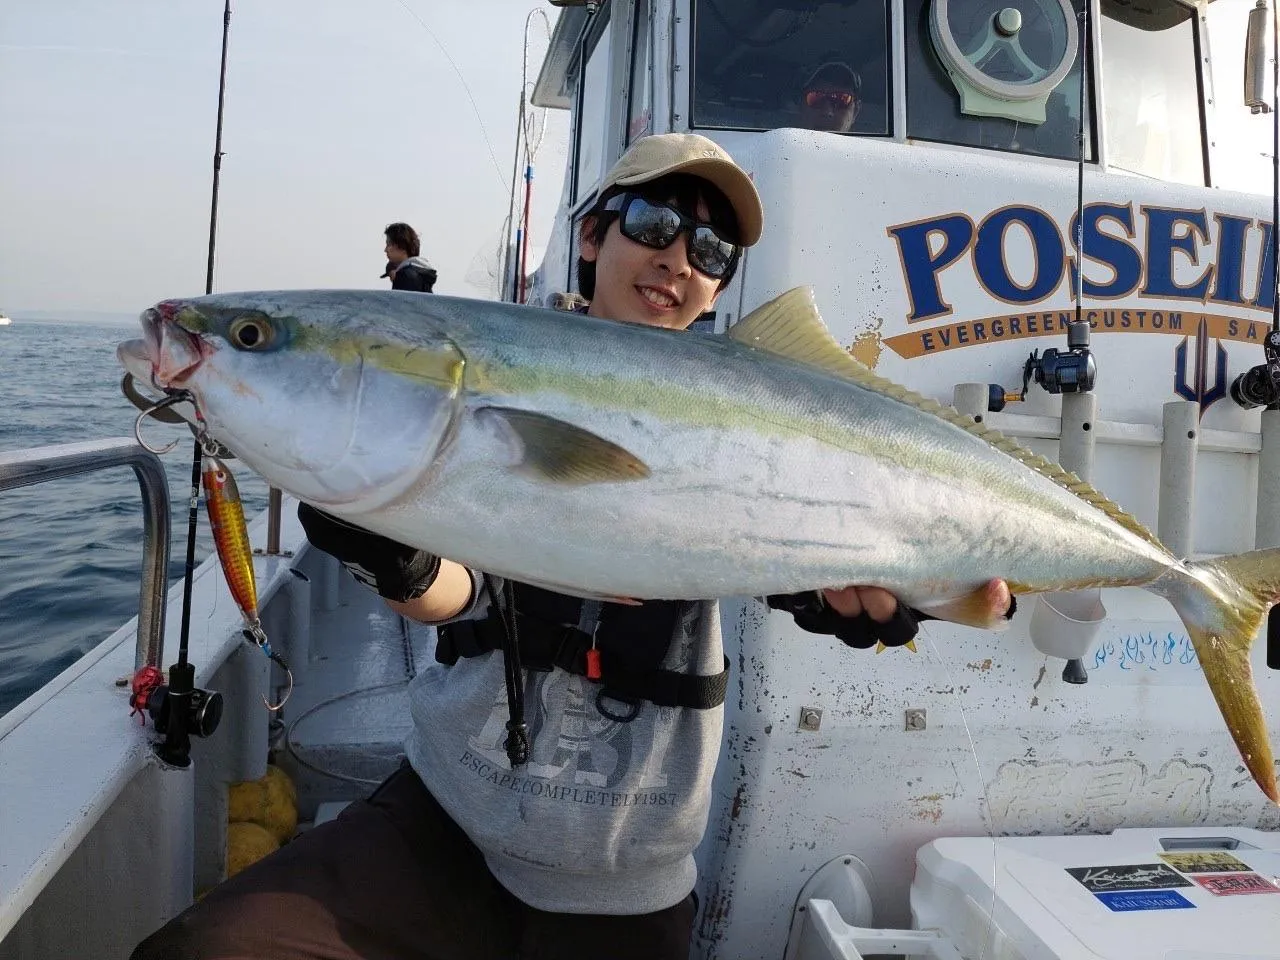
{"points": [[562, 453], [971, 610]]}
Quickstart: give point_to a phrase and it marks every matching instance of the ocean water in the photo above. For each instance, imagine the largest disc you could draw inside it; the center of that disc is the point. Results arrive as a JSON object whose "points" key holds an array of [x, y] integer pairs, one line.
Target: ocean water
{"points": [[71, 550]]}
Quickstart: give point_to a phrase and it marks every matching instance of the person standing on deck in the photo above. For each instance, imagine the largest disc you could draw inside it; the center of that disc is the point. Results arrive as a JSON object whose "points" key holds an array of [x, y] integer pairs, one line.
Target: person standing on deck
{"points": [[407, 270]]}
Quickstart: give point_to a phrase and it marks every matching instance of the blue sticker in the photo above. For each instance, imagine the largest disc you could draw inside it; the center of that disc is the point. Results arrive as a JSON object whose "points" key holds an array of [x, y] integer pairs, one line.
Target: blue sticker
{"points": [[1122, 901]]}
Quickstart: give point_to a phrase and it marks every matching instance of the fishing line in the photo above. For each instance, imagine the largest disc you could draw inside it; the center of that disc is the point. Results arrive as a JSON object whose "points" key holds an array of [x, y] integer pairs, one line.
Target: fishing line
{"points": [[316, 707], [463, 80]]}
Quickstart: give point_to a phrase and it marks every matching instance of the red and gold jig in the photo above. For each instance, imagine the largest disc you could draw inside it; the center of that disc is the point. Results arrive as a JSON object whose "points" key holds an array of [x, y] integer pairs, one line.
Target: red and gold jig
{"points": [[235, 554]]}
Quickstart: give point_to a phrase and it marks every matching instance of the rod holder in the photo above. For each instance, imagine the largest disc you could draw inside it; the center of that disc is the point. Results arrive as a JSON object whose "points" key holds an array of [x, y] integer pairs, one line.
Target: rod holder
{"points": [[1178, 475], [1066, 624], [971, 399], [1267, 528], [1077, 436], [298, 631], [275, 504], [328, 582]]}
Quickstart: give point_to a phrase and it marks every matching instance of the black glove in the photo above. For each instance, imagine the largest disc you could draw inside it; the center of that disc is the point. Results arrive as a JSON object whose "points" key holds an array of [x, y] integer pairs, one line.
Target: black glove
{"points": [[812, 613], [396, 571]]}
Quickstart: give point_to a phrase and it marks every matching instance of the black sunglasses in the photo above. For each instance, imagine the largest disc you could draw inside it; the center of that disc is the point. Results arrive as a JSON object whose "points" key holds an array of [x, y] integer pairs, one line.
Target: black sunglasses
{"points": [[656, 225]]}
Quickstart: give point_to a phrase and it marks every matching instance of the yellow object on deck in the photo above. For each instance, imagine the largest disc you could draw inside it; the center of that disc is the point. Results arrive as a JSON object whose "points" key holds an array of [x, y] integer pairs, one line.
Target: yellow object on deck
{"points": [[247, 843], [270, 802]]}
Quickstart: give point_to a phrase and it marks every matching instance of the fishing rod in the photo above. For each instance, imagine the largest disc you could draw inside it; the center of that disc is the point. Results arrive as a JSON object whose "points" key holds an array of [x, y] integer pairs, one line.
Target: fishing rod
{"points": [[1074, 370], [180, 709], [515, 265]]}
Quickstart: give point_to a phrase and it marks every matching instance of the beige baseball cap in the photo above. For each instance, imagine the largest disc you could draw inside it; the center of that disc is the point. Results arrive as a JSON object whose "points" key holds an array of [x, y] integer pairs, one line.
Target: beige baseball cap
{"points": [[656, 156]]}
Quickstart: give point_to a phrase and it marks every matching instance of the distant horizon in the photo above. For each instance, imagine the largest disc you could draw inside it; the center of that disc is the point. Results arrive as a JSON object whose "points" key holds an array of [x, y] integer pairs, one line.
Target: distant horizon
{"points": [[115, 318]]}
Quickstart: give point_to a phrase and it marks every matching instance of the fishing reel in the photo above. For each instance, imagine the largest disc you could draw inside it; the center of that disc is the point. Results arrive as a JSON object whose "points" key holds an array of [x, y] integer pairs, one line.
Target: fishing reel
{"points": [[1260, 386], [178, 709], [1063, 371]]}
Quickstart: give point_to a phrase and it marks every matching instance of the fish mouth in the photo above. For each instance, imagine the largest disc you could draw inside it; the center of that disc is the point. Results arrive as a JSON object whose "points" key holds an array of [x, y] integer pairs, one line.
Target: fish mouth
{"points": [[174, 352], [136, 358]]}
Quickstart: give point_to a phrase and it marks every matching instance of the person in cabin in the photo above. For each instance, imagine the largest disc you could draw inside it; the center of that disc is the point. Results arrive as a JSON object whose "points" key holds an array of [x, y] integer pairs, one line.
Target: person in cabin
{"points": [[830, 97], [406, 268], [558, 773]]}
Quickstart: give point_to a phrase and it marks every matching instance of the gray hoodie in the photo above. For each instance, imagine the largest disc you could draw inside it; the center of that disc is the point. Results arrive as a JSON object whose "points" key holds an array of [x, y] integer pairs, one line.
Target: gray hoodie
{"points": [[605, 816]]}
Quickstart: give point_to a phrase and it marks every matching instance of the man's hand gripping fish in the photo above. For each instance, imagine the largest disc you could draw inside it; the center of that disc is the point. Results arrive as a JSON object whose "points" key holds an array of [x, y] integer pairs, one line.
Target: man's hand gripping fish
{"points": [[646, 463]]}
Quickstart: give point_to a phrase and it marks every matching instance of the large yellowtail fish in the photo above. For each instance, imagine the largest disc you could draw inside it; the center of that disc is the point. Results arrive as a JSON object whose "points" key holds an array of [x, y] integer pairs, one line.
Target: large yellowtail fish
{"points": [[620, 460]]}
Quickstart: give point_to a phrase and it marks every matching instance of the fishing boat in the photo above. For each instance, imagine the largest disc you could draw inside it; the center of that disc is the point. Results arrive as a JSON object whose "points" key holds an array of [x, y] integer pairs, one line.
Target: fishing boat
{"points": [[5, 321], [932, 168]]}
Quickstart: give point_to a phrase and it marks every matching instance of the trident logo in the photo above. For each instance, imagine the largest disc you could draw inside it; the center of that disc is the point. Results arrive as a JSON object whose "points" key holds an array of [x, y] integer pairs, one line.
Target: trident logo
{"points": [[1199, 389]]}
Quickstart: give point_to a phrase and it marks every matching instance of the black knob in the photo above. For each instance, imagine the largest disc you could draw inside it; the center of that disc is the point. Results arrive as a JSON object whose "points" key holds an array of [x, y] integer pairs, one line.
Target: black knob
{"points": [[206, 712], [1074, 672]]}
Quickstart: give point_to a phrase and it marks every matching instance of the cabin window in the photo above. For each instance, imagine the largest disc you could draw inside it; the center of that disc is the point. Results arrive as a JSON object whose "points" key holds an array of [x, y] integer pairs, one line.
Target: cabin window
{"points": [[593, 105], [640, 108], [997, 74], [1152, 92], [758, 65]]}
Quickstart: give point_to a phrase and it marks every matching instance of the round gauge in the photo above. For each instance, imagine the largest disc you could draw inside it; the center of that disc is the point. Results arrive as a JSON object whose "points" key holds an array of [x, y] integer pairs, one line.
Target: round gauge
{"points": [[1007, 49]]}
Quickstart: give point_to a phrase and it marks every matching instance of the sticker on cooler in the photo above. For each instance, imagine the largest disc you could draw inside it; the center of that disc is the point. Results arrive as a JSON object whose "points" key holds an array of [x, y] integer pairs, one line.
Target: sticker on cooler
{"points": [[1128, 876], [1125, 901], [1234, 884], [1204, 861]]}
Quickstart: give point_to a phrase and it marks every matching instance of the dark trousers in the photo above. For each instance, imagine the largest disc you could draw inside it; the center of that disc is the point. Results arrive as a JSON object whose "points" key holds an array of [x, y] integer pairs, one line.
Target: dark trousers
{"points": [[394, 878]]}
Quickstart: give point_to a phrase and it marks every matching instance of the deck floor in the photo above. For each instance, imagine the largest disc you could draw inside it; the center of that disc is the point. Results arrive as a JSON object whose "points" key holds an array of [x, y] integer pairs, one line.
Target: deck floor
{"points": [[348, 714]]}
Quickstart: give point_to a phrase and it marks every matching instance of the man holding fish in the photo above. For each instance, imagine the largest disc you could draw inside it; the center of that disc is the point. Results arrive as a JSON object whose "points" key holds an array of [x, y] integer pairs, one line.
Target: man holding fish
{"points": [[569, 467], [576, 839]]}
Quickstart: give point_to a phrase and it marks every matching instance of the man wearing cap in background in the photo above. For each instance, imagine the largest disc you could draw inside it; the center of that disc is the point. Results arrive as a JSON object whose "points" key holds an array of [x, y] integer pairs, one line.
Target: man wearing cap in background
{"points": [[830, 97], [407, 270], [555, 788]]}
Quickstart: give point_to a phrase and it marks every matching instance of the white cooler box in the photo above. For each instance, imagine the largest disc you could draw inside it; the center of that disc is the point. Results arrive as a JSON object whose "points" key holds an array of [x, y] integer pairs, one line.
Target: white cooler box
{"points": [[1149, 894]]}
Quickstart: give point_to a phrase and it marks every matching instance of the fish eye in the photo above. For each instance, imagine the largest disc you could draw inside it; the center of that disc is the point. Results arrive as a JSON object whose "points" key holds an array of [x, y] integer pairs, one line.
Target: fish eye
{"points": [[250, 333]]}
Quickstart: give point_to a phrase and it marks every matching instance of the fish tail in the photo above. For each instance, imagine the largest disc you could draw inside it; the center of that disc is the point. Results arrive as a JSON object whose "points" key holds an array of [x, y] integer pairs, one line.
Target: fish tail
{"points": [[1223, 604]]}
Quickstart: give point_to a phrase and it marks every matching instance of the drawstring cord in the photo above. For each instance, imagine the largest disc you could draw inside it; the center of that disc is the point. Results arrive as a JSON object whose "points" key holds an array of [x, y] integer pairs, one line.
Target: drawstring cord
{"points": [[517, 742]]}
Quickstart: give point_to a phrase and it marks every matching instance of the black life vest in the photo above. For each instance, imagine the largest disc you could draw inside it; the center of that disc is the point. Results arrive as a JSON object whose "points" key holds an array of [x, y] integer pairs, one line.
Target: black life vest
{"points": [[632, 642]]}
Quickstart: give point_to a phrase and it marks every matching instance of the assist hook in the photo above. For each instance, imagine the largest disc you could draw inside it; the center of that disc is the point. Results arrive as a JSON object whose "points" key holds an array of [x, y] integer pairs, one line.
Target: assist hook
{"points": [[175, 397]]}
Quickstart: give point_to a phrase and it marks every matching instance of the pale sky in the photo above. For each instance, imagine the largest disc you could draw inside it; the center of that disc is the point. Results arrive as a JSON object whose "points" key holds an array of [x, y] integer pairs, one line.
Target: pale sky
{"points": [[340, 118]]}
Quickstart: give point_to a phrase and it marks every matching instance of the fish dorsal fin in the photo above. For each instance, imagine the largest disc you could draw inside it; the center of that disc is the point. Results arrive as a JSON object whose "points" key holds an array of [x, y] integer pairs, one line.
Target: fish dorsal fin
{"points": [[790, 326]]}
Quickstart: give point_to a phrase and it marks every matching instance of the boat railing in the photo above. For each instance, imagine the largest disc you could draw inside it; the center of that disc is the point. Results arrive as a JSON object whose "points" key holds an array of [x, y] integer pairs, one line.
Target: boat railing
{"points": [[21, 468]]}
